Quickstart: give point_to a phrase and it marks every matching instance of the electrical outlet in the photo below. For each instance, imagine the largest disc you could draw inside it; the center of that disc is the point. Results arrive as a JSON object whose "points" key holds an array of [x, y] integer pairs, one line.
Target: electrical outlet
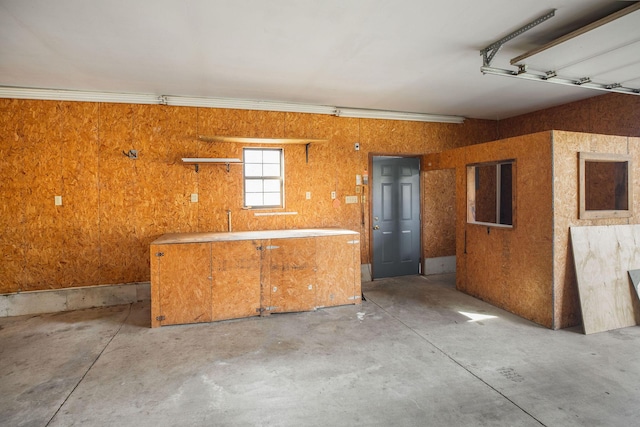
{"points": [[333, 195], [57, 200], [357, 145], [194, 198], [358, 179], [308, 195], [357, 189], [351, 199]]}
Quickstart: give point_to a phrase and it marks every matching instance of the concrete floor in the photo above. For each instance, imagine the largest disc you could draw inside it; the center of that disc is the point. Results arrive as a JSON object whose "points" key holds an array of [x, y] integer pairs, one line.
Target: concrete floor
{"points": [[408, 356]]}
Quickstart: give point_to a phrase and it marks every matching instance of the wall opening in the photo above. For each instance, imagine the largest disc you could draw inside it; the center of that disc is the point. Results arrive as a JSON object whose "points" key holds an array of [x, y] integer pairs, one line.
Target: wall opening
{"points": [[604, 185], [490, 193]]}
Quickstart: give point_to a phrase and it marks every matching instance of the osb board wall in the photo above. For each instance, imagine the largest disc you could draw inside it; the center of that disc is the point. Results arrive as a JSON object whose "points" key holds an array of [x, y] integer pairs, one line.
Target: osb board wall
{"points": [[609, 114], [508, 267], [113, 206], [566, 146], [439, 214]]}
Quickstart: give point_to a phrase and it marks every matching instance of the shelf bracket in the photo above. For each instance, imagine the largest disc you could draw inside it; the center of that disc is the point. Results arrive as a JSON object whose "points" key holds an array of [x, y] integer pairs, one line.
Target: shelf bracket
{"points": [[307, 150], [197, 167]]}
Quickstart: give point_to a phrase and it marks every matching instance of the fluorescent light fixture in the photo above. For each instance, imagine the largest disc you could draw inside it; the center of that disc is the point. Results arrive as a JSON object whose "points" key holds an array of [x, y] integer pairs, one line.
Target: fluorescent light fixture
{"points": [[247, 104], [241, 104], [396, 115], [77, 95]]}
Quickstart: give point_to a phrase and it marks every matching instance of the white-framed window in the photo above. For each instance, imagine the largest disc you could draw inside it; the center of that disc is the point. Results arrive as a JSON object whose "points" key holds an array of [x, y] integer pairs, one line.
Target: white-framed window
{"points": [[490, 193], [263, 178]]}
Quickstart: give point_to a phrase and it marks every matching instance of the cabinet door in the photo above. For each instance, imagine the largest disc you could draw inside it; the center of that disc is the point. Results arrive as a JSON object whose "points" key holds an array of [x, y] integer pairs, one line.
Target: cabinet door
{"points": [[183, 275], [338, 274], [289, 275], [235, 279]]}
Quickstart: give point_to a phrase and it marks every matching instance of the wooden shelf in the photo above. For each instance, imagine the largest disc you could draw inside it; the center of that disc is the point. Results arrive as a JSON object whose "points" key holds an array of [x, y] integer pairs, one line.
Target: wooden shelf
{"points": [[276, 141], [197, 161], [279, 141]]}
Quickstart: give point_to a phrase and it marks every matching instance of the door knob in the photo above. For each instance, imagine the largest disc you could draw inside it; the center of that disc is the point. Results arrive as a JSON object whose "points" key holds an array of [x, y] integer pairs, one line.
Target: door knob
{"points": [[376, 227]]}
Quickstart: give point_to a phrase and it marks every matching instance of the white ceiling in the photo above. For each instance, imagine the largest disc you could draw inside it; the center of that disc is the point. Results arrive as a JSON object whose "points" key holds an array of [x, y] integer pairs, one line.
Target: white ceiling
{"points": [[401, 55]]}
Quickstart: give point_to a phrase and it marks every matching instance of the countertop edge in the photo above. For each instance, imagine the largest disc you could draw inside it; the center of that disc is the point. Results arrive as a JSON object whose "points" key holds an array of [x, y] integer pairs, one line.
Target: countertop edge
{"points": [[204, 237]]}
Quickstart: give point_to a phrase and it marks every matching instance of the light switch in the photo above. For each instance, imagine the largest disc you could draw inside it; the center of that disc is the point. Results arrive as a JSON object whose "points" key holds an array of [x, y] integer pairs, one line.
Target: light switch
{"points": [[194, 198], [351, 199], [333, 195], [358, 179], [308, 195], [57, 200]]}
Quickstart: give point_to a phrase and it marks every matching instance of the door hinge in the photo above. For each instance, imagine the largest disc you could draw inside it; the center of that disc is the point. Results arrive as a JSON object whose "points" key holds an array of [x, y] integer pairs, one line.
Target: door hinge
{"points": [[159, 253], [160, 318]]}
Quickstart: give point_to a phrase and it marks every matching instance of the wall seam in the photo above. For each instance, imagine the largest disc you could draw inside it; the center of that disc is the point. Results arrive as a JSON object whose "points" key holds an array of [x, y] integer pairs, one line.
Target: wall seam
{"points": [[554, 323], [100, 263]]}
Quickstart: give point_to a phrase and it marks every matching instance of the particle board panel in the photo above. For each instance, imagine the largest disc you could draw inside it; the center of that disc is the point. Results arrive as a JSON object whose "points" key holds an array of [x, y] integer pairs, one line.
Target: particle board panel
{"points": [[581, 116], [338, 264], [80, 216], [43, 179], [438, 213], [183, 283], [12, 189], [235, 279], [118, 181], [603, 255], [292, 276], [511, 268]]}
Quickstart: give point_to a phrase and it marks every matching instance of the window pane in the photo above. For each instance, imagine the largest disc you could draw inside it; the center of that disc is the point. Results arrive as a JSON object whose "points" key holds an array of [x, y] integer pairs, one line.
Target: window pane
{"points": [[272, 185], [253, 185], [252, 156], [272, 199], [259, 164], [506, 194], [252, 169], [486, 196], [271, 170], [490, 191], [271, 156], [253, 199], [606, 186]]}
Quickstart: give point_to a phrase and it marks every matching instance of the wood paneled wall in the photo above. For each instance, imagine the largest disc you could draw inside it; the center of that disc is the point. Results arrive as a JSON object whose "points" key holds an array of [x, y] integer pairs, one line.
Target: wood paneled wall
{"points": [[609, 114], [114, 206], [566, 146], [528, 269], [511, 268]]}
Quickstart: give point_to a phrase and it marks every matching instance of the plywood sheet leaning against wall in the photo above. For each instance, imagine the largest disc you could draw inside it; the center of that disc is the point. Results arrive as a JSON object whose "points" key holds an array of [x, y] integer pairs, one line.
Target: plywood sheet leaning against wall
{"points": [[603, 255]]}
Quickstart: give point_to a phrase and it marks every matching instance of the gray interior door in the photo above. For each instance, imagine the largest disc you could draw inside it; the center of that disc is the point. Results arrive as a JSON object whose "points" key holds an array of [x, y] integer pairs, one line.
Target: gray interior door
{"points": [[396, 216]]}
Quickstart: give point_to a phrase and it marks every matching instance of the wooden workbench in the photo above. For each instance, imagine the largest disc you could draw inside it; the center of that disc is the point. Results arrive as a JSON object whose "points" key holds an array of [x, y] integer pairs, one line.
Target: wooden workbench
{"points": [[203, 277]]}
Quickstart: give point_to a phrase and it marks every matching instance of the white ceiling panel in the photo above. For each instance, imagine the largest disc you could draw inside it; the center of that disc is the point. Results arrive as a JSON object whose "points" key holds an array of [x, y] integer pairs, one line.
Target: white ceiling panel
{"points": [[406, 55], [607, 51]]}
